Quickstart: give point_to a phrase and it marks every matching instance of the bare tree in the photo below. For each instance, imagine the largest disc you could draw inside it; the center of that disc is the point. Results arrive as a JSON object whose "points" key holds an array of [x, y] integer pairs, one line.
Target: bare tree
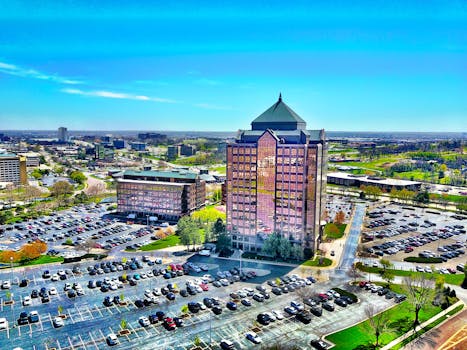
{"points": [[420, 293], [304, 293], [378, 322], [354, 273], [87, 245], [95, 189]]}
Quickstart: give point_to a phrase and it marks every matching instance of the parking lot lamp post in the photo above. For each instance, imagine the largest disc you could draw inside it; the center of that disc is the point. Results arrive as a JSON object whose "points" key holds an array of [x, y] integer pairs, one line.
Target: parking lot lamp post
{"points": [[241, 253], [210, 328]]}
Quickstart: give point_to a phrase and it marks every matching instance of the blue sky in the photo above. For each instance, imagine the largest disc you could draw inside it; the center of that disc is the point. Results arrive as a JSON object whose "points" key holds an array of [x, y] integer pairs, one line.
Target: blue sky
{"points": [[181, 65]]}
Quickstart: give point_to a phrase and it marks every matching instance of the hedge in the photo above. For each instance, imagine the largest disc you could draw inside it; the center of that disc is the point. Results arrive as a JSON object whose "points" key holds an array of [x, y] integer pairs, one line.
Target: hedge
{"points": [[346, 293], [422, 260]]}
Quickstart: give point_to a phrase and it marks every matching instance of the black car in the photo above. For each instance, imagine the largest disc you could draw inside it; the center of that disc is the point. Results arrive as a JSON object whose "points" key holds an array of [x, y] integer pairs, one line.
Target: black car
{"points": [[316, 310], [45, 299], [216, 310], [193, 307], [107, 302], [208, 302], [170, 296], [160, 315], [304, 317], [276, 291], [328, 306], [264, 319], [231, 306], [34, 293], [340, 302], [183, 293], [347, 299], [71, 293], [139, 303], [178, 321], [23, 283], [23, 319], [383, 291], [153, 319]]}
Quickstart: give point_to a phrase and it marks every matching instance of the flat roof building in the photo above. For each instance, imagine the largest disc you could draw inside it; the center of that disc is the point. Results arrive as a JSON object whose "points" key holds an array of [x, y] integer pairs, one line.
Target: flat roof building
{"points": [[276, 177], [166, 194], [347, 179], [13, 169]]}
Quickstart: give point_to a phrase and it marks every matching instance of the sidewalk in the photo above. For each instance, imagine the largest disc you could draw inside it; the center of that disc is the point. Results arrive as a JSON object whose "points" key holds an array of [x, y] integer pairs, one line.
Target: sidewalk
{"points": [[421, 326]]}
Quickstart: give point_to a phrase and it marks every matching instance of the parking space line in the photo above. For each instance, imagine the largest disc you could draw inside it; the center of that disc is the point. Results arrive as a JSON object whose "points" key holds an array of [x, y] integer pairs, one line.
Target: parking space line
{"points": [[133, 330], [90, 313], [93, 341], [82, 342], [98, 310], [69, 314], [71, 344]]}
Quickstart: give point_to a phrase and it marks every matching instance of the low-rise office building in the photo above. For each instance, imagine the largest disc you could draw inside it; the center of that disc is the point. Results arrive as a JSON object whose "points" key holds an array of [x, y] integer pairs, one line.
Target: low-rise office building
{"points": [[167, 195], [347, 179]]}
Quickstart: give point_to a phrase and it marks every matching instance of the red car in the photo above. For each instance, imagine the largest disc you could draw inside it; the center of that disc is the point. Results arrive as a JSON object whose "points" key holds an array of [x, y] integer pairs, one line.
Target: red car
{"points": [[362, 284], [323, 296], [204, 287], [169, 324]]}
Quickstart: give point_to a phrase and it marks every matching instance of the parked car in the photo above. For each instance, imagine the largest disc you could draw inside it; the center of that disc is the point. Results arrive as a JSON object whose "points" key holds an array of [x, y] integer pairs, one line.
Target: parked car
{"points": [[253, 337]]}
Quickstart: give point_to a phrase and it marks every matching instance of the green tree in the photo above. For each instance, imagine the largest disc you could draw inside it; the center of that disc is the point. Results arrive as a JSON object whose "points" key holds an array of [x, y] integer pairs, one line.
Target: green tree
{"points": [[218, 227], [223, 242], [5, 215], [61, 188], [188, 230], [37, 174], [285, 248], [78, 176]]}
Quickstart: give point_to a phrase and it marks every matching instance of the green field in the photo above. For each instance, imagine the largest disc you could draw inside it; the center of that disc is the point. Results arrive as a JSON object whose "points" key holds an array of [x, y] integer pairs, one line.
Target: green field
{"points": [[401, 318], [43, 259], [220, 169], [169, 241], [315, 262], [334, 235]]}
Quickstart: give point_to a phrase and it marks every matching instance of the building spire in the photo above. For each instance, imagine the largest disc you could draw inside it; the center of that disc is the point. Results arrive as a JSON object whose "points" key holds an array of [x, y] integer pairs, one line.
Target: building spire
{"points": [[280, 97]]}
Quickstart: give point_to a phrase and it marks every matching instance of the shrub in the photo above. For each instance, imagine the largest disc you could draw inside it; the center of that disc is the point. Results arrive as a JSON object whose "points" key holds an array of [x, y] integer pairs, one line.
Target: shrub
{"points": [[346, 293], [418, 259]]}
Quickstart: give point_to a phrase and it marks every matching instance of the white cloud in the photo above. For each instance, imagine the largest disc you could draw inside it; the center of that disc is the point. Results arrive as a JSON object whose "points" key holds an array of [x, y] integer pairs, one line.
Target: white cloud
{"points": [[15, 70], [117, 95], [211, 106]]}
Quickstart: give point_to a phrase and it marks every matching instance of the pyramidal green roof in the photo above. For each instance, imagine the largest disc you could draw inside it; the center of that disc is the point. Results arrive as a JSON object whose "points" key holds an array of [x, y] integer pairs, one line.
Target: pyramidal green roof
{"points": [[279, 112]]}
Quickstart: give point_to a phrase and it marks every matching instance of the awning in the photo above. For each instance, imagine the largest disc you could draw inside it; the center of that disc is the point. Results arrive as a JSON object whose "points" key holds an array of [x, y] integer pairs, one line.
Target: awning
{"points": [[131, 216]]}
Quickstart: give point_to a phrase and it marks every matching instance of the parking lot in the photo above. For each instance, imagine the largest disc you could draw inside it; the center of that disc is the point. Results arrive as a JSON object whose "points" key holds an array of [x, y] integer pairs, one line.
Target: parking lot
{"points": [[396, 232], [87, 322]]}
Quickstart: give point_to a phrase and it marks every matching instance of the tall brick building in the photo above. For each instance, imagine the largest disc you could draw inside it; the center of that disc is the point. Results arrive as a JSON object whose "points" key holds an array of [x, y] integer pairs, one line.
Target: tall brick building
{"points": [[276, 178]]}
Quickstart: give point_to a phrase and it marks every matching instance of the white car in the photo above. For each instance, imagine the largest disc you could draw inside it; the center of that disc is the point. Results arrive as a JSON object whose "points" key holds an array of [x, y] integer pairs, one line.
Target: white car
{"points": [[6, 284], [143, 321], [278, 315], [53, 291], [111, 339], [3, 323], [156, 291], [205, 252], [27, 301], [253, 337], [58, 322], [54, 277]]}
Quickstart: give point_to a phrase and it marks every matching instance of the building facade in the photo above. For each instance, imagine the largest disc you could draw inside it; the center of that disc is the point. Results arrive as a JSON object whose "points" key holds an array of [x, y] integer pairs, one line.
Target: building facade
{"points": [[62, 134], [13, 169], [173, 152], [276, 178], [166, 194]]}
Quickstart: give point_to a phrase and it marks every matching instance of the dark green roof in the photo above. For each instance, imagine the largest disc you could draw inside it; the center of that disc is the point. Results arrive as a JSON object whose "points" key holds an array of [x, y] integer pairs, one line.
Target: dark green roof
{"points": [[164, 174], [279, 112]]}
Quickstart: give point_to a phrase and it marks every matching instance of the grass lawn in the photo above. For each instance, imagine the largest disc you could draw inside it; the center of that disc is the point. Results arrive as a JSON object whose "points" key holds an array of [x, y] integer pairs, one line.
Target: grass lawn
{"points": [[414, 175], [208, 214], [43, 259], [220, 169], [449, 279], [168, 241], [401, 317], [334, 235], [427, 328], [316, 262]]}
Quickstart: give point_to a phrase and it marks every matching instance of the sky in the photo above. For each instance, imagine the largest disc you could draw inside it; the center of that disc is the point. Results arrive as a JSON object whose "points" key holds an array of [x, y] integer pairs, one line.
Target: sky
{"points": [[216, 65]]}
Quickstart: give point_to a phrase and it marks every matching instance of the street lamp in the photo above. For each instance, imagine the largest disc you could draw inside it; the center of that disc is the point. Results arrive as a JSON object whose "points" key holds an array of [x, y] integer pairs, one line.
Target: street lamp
{"points": [[241, 253]]}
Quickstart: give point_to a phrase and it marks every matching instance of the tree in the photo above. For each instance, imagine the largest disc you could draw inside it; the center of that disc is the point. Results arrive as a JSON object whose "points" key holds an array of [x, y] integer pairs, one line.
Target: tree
{"points": [[87, 245], [184, 309], [464, 282], [378, 322], [60, 309], [188, 231], [78, 177], [95, 189], [31, 192], [422, 197], [59, 170], [123, 323], [218, 227], [5, 215], [339, 218], [223, 242], [354, 272], [285, 248], [296, 252], [61, 188], [419, 294]]}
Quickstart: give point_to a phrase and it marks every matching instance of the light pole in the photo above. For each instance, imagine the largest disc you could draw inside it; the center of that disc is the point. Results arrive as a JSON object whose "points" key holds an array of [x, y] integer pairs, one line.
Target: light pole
{"points": [[11, 295], [241, 253], [210, 327]]}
